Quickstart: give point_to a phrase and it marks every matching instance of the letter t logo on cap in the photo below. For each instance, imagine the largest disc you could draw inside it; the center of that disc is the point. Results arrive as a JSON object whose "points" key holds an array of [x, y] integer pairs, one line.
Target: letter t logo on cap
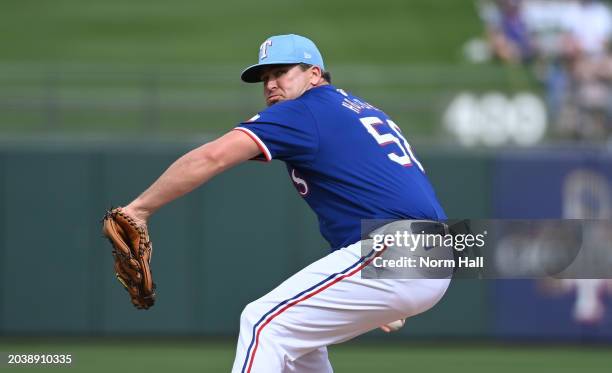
{"points": [[263, 49]]}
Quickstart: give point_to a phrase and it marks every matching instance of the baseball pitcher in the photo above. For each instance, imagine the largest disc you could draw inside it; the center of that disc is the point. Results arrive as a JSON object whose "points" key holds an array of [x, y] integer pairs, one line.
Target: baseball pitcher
{"points": [[349, 161]]}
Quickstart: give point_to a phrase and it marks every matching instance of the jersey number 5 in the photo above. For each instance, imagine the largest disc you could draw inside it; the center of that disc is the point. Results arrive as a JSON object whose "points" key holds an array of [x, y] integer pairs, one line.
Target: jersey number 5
{"points": [[407, 157]]}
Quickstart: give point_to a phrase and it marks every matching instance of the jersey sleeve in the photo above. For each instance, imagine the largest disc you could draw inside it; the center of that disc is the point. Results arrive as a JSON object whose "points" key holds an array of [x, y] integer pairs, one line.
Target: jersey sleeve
{"points": [[286, 131]]}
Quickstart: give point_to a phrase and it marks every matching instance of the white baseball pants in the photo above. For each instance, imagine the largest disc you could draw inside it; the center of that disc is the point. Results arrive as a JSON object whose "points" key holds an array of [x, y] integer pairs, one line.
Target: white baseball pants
{"points": [[289, 329]]}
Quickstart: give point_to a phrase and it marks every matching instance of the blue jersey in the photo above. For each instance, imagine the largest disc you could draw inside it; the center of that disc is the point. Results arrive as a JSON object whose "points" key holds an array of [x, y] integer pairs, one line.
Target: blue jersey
{"points": [[347, 159]]}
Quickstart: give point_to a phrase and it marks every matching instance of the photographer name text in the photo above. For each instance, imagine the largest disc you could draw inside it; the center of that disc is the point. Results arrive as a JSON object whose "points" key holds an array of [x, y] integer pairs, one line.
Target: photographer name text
{"points": [[426, 262]]}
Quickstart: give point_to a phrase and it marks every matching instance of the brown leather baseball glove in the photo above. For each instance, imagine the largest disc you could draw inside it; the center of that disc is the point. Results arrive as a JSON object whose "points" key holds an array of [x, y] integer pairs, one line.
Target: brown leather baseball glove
{"points": [[132, 251]]}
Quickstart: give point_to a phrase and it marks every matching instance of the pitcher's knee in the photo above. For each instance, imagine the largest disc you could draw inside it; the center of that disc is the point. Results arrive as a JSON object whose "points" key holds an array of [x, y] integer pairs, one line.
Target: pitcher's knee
{"points": [[250, 315], [255, 319], [255, 314]]}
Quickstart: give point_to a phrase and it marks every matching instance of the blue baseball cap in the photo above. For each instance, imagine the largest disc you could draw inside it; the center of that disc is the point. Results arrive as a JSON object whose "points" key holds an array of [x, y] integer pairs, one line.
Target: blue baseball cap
{"points": [[283, 50]]}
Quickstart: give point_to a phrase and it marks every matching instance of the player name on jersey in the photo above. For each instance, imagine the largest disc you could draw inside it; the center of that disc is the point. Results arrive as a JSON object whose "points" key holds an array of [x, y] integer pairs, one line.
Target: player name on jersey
{"points": [[356, 105]]}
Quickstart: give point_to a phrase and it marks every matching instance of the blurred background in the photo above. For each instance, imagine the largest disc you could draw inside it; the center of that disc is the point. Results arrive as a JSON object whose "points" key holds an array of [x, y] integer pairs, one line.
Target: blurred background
{"points": [[508, 104]]}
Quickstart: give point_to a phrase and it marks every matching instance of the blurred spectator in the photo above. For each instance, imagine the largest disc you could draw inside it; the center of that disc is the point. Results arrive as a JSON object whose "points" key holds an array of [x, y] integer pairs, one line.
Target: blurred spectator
{"points": [[550, 23], [507, 34], [590, 27], [567, 41], [593, 97], [592, 70]]}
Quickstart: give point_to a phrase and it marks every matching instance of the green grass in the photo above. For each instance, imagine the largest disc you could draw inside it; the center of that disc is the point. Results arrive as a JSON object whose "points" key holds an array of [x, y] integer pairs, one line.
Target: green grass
{"points": [[197, 32], [128, 66], [84, 98], [184, 356]]}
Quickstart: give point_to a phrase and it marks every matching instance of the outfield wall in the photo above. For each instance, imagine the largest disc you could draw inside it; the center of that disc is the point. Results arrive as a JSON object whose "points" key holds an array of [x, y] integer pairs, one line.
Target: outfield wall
{"points": [[216, 249]]}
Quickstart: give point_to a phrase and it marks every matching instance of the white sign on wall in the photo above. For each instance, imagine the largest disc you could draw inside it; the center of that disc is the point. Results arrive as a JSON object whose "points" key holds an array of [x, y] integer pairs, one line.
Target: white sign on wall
{"points": [[494, 119]]}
